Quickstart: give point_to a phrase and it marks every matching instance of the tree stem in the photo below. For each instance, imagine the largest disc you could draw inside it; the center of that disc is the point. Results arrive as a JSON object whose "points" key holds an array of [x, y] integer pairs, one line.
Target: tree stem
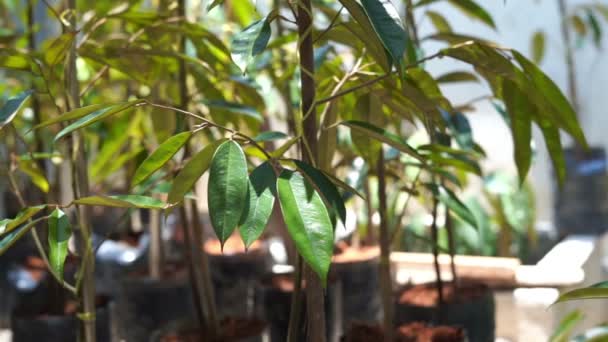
{"points": [[295, 312], [438, 280], [81, 188], [315, 301], [569, 55], [385, 267]]}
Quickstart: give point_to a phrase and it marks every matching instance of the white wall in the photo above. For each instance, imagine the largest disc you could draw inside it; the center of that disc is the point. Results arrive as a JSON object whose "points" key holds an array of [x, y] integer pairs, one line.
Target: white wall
{"points": [[516, 21]]}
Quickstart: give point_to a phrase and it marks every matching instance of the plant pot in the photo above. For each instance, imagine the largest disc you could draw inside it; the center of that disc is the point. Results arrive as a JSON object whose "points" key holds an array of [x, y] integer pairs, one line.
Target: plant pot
{"points": [[413, 332], [232, 330], [581, 203], [24, 285], [235, 274], [471, 306], [54, 328], [275, 294], [144, 303], [357, 269]]}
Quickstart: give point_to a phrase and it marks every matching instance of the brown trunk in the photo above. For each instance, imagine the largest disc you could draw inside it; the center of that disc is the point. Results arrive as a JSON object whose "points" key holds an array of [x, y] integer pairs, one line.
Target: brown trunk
{"points": [[385, 266], [315, 302], [81, 189]]}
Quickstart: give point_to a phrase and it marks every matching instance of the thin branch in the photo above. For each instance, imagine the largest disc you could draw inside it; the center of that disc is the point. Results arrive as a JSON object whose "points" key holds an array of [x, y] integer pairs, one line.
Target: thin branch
{"points": [[331, 25], [377, 79]]}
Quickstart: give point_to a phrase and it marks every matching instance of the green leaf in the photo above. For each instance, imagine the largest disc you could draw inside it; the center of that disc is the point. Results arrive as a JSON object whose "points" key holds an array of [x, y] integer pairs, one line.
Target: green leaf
{"points": [[227, 194], [236, 108], [475, 11], [160, 157], [566, 326], [192, 171], [366, 33], [123, 201], [262, 183], [520, 110], [368, 108], [597, 291], [278, 153], [31, 169], [59, 234], [461, 129], [388, 26], [382, 135], [450, 200], [439, 21], [307, 221], [561, 107], [553, 142], [58, 48], [7, 225], [250, 42], [95, 117], [457, 76], [11, 107], [538, 46], [9, 239], [270, 136], [595, 28], [325, 186], [74, 114]]}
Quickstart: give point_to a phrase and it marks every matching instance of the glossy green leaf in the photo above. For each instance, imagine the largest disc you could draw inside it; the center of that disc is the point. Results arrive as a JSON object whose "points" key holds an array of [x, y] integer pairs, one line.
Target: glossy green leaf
{"points": [[538, 46], [325, 186], [250, 42], [566, 326], [307, 221], [123, 201], [366, 33], [520, 111], [31, 169], [12, 106], [388, 26], [270, 136], [160, 157], [597, 291], [192, 171], [58, 236], [457, 76], [228, 186], [262, 184], [566, 116], [7, 225], [9, 239], [95, 117], [382, 135], [473, 10]]}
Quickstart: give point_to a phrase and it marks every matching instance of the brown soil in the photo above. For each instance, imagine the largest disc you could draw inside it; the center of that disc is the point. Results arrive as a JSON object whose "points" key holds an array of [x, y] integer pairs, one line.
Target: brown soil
{"points": [[426, 295], [420, 332], [233, 329], [414, 332], [234, 245], [343, 253]]}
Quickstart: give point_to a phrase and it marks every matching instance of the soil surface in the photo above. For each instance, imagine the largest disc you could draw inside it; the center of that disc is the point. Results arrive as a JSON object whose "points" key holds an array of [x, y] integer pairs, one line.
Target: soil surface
{"points": [[343, 253], [234, 245], [414, 332], [426, 295], [232, 329]]}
